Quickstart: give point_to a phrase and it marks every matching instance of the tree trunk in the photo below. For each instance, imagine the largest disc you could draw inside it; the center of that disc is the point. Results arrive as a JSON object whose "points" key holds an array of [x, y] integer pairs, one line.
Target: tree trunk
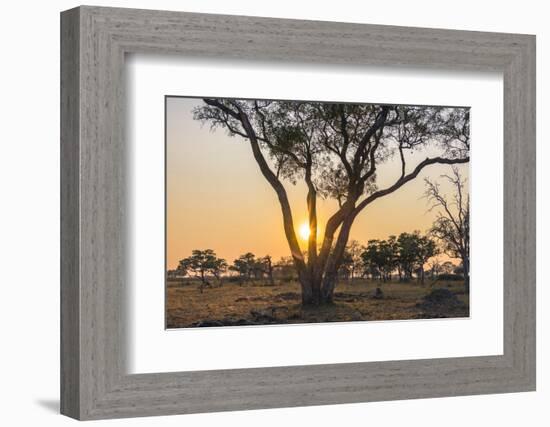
{"points": [[203, 282], [335, 261], [311, 291]]}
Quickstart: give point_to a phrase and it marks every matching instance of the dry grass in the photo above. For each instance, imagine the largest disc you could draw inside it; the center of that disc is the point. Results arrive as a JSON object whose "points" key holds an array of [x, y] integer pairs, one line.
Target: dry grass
{"points": [[258, 303]]}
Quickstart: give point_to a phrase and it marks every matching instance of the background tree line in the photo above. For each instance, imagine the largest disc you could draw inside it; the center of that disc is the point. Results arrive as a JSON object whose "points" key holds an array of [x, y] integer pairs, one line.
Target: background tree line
{"points": [[404, 257]]}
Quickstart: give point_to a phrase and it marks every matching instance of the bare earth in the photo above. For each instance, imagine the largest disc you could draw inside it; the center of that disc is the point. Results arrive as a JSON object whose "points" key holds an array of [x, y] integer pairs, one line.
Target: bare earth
{"points": [[260, 304]]}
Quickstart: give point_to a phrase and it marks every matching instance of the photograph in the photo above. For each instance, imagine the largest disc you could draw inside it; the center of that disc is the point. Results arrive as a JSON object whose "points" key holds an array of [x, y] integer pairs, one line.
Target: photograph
{"points": [[285, 212]]}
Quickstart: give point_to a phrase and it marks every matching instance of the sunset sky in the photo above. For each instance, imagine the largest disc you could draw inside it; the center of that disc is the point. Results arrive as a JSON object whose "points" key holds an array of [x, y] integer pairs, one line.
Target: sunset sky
{"points": [[217, 198]]}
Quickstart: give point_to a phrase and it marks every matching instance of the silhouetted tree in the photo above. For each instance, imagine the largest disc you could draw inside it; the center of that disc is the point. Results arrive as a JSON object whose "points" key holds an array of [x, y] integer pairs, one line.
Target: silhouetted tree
{"points": [[337, 150], [414, 252], [354, 250], [245, 266], [452, 225], [346, 266], [268, 268], [434, 266], [201, 264], [407, 254], [379, 257], [284, 268]]}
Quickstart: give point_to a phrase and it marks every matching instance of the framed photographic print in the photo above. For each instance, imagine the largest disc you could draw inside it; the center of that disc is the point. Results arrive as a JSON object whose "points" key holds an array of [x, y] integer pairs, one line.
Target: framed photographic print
{"points": [[347, 211]]}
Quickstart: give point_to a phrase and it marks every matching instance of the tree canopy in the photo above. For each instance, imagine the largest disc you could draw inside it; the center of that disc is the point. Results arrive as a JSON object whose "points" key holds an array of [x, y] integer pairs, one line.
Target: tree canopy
{"points": [[201, 264]]}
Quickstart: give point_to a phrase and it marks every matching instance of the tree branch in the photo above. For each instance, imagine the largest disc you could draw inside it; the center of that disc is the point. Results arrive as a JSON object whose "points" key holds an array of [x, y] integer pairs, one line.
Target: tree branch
{"points": [[279, 189], [270, 176], [409, 177], [380, 119]]}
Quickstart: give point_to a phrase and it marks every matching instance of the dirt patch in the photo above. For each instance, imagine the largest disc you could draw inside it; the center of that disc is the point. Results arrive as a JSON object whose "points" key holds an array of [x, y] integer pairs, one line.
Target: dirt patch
{"points": [[253, 304]]}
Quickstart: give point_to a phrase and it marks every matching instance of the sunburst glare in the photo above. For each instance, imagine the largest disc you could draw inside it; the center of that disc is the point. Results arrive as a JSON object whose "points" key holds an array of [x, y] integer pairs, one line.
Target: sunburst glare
{"points": [[304, 231]]}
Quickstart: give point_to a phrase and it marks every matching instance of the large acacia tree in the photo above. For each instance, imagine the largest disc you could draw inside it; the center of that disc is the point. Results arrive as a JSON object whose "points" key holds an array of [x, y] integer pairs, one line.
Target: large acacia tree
{"points": [[337, 150]]}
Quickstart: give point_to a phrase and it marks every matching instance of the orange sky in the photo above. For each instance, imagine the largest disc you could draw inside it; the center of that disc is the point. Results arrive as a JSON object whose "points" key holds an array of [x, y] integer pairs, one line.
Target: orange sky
{"points": [[217, 198]]}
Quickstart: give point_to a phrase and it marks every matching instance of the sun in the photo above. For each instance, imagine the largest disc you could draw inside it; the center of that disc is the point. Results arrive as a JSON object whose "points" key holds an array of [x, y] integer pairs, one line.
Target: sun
{"points": [[304, 231]]}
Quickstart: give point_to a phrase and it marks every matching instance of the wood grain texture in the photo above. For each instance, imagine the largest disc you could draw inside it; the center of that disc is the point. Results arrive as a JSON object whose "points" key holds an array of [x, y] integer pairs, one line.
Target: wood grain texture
{"points": [[94, 382], [70, 314]]}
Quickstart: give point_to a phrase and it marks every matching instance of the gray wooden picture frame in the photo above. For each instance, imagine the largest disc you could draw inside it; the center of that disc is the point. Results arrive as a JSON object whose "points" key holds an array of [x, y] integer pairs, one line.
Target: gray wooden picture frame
{"points": [[94, 381]]}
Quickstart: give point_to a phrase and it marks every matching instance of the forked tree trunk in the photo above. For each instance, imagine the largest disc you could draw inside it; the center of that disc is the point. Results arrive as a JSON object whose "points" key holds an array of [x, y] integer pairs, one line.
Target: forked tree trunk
{"points": [[312, 294], [319, 278]]}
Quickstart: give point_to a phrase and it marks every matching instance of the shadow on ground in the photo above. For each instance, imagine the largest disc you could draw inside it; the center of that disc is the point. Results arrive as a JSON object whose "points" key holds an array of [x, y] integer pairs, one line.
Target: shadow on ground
{"points": [[51, 405]]}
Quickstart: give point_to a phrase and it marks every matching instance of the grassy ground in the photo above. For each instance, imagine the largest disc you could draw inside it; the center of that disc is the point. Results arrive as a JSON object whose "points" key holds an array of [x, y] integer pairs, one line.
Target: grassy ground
{"points": [[258, 303]]}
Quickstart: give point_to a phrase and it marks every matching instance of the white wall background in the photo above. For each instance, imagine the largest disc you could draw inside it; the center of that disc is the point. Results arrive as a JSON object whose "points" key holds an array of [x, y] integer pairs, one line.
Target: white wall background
{"points": [[29, 213]]}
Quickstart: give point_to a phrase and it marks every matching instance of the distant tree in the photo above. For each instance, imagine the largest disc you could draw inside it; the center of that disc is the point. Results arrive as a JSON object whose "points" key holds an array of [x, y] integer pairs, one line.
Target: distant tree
{"points": [[407, 258], [414, 252], [346, 266], [268, 268], [369, 260], [257, 269], [379, 257], [393, 247], [245, 266], [353, 254], [426, 249], [338, 150], [219, 267], [434, 266], [284, 268], [452, 225], [407, 254], [389, 257], [201, 264]]}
